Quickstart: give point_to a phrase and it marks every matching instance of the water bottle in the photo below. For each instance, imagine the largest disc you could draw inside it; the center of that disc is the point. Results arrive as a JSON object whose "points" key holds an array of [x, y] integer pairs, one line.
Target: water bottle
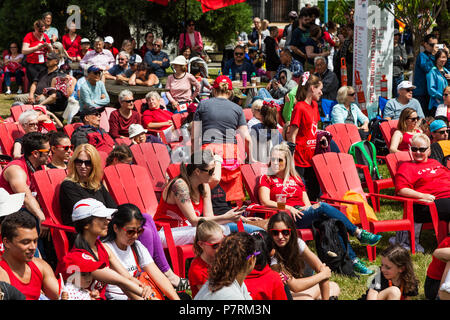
{"points": [[244, 78], [230, 74]]}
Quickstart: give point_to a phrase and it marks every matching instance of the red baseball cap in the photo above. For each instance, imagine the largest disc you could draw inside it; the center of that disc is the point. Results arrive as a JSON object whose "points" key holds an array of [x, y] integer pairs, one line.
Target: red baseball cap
{"points": [[81, 261], [223, 79]]}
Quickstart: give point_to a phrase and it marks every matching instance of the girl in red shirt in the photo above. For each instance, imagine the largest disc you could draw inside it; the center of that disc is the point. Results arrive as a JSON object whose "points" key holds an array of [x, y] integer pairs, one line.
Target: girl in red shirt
{"points": [[208, 237]]}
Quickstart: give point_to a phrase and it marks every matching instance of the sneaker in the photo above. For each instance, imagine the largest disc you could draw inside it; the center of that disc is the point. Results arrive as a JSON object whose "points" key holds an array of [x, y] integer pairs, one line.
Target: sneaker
{"points": [[360, 267], [8, 92], [369, 239], [19, 91]]}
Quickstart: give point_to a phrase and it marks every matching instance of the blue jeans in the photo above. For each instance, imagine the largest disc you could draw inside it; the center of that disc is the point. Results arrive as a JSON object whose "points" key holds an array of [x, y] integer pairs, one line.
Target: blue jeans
{"points": [[265, 94], [249, 228], [325, 210], [18, 74]]}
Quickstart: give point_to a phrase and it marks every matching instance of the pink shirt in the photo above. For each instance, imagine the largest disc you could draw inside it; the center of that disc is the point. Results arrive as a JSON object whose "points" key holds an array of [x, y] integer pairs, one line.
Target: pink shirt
{"points": [[181, 89]]}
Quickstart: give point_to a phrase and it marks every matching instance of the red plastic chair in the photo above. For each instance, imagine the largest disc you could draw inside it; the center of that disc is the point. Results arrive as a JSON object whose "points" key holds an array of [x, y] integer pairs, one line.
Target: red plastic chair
{"points": [[387, 130], [347, 134], [47, 184], [13, 79], [173, 170], [337, 174], [393, 161], [70, 128], [178, 118], [155, 158], [16, 111], [9, 131], [104, 118], [138, 105], [132, 184], [126, 141], [248, 113]]}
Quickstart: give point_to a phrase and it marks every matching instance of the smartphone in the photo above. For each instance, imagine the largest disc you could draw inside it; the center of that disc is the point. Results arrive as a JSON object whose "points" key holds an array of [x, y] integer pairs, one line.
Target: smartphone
{"points": [[242, 208], [440, 46]]}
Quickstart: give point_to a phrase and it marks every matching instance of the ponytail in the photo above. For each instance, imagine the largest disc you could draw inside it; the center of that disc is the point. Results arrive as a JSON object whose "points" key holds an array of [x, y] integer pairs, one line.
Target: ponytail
{"points": [[307, 82]]}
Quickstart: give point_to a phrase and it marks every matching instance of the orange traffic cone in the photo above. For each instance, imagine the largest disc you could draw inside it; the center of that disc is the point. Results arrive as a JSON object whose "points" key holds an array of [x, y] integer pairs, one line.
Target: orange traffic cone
{"points": [[360, 93], [343, 72], [383, 86]]}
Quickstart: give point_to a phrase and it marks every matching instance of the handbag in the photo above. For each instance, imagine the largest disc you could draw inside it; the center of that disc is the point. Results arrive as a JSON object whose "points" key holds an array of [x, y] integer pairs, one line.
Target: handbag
{"points": [[146, 279]]}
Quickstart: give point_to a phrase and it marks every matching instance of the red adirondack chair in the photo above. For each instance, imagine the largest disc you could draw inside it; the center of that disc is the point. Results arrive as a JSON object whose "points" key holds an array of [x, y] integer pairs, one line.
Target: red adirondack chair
{"points": [[47, 187], [16, 111], [248, 114], [393, 161], [173, 170], [132, 184], [387, 130], [337, 174], [124, 140], [156, 158], [346, 134], [70, 128], [178, 118], [138, 105], [13, 79], [104, 118], [9, 131]]}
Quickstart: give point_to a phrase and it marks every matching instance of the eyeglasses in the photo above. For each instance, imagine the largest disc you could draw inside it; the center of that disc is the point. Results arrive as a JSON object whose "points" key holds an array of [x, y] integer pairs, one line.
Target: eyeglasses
{"points": [[122, 59], [97, 73], [446, 94], [97, 114], [80, 162], [422, 150], [133, 232], [157, 45], [414, 119], [254, 254], [66, 148], [213, 245], [33, 124], [443, 131], [351, 94], [280, 160], [410, 89], [238, 53], [210, 171], [276, 232], [43, 150], [128, 101], [191, 24], [13, 47]]}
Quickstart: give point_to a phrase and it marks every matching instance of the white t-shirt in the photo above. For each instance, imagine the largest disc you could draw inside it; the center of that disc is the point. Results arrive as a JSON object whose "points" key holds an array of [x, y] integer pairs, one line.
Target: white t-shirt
{"points": [[301, 245], [126, 257], [232, 292]]}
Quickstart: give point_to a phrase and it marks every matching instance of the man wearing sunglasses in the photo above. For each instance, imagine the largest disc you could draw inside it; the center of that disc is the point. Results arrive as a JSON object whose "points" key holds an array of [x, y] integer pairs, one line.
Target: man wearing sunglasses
{"points": [[158, 59], [117, 72], [238, 64], [404, 100], [16, 176], [93, 92], [90, 131], [440, 146]]}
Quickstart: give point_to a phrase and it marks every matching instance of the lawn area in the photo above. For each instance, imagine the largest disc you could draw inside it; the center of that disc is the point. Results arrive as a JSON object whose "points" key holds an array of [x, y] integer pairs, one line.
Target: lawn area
{"points": [[351, 288]]}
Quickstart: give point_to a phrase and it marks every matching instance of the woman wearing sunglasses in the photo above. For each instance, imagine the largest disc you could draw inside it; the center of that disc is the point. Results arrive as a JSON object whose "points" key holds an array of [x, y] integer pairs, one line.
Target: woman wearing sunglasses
{"points": [[282, 178], [424, 179], [61, 150], [437, 81], [291, 255], [408, 126], [124, 229], [235, 259], [121, 119], [347, 111], [208, 237], [443, 110]]}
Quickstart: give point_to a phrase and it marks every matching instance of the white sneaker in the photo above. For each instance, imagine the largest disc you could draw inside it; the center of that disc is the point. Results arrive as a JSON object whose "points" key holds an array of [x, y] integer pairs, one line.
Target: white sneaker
{"points": [[8, 92], [19, 91]]}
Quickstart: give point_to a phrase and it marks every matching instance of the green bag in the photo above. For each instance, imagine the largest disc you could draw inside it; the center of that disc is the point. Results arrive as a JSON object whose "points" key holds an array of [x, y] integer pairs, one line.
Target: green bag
{"points": [[364, 153]]}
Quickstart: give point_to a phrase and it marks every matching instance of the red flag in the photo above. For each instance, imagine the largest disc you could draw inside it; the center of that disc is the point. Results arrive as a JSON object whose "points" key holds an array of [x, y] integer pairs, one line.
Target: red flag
{"points": [[208, 5], [161, 2]]}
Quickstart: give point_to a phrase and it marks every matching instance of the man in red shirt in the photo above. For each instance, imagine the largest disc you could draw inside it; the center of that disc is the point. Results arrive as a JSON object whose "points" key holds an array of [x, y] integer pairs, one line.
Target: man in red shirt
{"points": [[18, 266]]}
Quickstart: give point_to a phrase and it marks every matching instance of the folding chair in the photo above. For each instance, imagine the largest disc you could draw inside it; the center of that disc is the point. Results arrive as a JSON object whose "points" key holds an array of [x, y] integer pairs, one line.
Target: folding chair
{"points": [[327, 107], [337, 174], [381, 105]]}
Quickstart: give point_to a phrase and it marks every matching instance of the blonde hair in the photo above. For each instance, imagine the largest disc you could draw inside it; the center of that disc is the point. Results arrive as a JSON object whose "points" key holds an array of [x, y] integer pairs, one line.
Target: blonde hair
{"points": [[289, 170], [205, 229], [342, 94], [421, 136], [257, 105], [95, 177]]}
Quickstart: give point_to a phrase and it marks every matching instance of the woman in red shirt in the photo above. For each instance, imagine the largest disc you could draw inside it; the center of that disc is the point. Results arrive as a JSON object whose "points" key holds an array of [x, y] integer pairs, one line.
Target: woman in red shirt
{"points": [[407, 127], [72, 43], [121, 119], [153, 116], [208, 237], [303, 131]]}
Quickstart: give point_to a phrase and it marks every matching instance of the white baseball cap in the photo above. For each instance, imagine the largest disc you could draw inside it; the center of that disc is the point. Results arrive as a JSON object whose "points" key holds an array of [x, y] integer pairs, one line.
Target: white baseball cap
{"points": [[135, 129], [10, 203], [180, 60], [89, 207], [109, 40], [405, 85], [85, 40]]}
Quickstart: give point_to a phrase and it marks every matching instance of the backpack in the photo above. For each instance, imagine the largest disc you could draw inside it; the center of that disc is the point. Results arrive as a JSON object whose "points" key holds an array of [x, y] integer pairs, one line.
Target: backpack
{"points": [[364, 152], [376, 136], [331, 241]]}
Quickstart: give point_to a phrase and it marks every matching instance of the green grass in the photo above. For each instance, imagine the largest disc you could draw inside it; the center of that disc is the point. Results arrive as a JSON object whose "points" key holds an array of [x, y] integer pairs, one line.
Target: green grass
{"points": [[351, 288]]}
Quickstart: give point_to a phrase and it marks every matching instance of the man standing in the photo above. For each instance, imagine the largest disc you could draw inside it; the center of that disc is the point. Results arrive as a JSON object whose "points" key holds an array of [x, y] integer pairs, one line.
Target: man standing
{"points": [[328, 78], [238, 64], [16, 177], [157, 59], [288, 62], [299, 36], [93, 92], [18, 265], [287, 32], [405, 99], [255, 38], [100, 57]]}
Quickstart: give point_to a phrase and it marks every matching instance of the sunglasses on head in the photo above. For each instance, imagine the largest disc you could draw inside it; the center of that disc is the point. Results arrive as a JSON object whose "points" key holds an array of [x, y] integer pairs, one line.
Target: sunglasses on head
{"points": [[276, 232], [210, 171], [422, 150], [66, 148], [80, 162], [132, 232]]}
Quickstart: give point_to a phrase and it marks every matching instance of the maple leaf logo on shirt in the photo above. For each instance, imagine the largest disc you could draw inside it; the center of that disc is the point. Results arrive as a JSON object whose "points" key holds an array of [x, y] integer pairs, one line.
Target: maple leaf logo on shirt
{"points": [[314, 128]]}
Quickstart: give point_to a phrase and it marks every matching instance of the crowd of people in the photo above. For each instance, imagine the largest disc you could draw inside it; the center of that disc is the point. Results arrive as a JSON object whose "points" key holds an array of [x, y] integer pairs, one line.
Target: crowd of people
{"points": [[117, 251]]}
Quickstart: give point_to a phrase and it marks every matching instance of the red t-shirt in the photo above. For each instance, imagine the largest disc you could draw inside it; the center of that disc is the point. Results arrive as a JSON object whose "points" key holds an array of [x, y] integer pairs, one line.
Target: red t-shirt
{"points": [[429, 177], [437, 267], [39, 56], [73, 48], [265, 285], [306, 118], [198, 274], [293, 189], [157, 115]]}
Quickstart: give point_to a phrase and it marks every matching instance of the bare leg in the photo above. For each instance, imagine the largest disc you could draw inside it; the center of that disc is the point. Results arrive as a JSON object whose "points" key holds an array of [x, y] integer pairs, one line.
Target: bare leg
{"points": [[444, 295]]}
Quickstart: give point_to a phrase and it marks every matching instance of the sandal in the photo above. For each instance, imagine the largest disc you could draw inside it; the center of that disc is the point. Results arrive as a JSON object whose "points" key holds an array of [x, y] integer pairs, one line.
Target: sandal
{"points": [[183, 285]]}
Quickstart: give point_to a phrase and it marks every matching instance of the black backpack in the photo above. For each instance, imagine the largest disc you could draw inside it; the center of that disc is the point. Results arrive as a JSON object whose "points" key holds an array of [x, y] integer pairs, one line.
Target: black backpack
{"points": [[376, 137], [328, 233]]}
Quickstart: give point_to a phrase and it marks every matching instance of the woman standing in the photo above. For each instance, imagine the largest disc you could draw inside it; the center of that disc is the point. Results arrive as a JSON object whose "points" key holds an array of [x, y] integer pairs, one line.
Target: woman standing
{"points": [[315, 46], [407, 127], [179, 86], [121, 119], [191, 38], [13, 68], [443, 110], [72, 43], [437, 80]]}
